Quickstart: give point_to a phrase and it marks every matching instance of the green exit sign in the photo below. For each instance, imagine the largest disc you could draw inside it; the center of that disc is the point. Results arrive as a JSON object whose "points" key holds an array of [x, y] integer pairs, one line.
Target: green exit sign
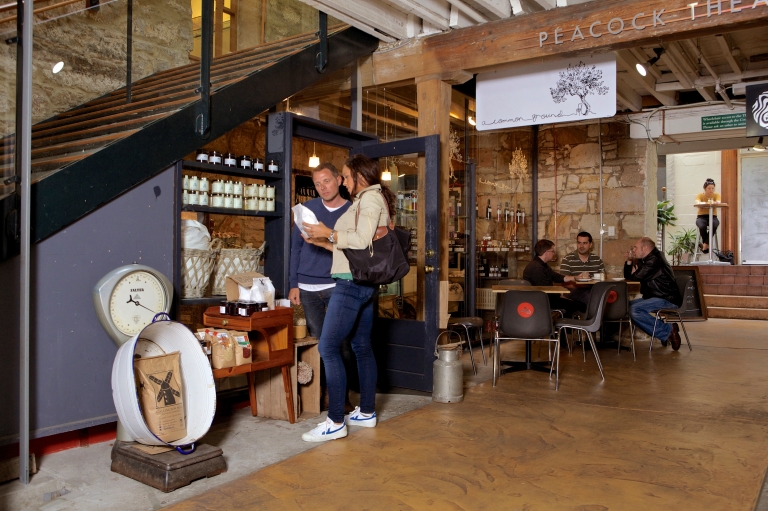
{"points": [[723, 122]]}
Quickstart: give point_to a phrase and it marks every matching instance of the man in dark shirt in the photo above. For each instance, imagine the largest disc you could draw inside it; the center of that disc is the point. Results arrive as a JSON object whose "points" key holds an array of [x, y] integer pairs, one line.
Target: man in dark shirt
{"points": [[539, 273], [657, 284]]}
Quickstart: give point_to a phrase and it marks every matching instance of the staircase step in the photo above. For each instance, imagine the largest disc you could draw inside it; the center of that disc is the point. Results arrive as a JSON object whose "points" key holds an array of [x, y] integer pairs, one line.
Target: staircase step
{"points": [[736, 302], [737, 313]]}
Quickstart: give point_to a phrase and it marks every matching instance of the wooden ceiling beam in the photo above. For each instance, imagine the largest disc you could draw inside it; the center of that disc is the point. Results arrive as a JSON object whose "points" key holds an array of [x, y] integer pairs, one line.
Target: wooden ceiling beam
{"points": [[370, 16], [504, 42], [725, 45], [627, 60], [493, 9], [436, 12], [468, 11], [626, 95]]}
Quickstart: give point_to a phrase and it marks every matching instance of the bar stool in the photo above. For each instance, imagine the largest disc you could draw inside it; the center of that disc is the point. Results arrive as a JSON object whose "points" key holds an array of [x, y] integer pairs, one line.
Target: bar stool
{"points": [[468, 323], [697, 252]]}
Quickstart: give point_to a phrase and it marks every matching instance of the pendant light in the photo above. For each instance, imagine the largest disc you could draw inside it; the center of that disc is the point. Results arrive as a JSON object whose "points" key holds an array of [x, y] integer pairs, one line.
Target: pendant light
{"points": [[314, 161], [759, 146], [386, 175]]}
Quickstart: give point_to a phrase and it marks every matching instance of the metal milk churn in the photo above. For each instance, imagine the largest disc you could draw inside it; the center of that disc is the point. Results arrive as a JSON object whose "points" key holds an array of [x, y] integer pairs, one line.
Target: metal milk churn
{"points": [[448, 371]]}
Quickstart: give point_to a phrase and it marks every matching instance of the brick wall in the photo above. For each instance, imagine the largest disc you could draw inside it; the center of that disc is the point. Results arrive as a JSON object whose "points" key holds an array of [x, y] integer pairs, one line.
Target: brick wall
{"points": [[735, 280]]}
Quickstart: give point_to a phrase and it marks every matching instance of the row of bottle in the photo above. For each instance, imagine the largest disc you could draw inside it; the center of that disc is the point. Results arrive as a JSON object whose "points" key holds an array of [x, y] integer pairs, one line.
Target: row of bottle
{"points": [[493, 271], [510, 215], [230, 160], [408, 201], [305, 193]]}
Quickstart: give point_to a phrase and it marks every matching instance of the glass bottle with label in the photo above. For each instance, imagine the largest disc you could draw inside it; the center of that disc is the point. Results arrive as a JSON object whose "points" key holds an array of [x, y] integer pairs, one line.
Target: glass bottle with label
{"points": [[488, 210]]}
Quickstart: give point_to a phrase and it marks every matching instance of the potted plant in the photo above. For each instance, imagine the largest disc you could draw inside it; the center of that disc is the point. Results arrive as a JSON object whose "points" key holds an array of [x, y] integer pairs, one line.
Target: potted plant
{"points": [[665, 215], [683, 244]]}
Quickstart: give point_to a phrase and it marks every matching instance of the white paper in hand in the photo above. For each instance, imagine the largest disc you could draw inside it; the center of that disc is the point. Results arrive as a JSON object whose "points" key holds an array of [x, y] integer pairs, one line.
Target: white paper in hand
{"points": [[302, 215]]}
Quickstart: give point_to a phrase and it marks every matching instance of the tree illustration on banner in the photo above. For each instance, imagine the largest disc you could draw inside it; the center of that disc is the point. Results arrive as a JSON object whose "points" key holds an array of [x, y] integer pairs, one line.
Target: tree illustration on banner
{"points": [[581, 81]]}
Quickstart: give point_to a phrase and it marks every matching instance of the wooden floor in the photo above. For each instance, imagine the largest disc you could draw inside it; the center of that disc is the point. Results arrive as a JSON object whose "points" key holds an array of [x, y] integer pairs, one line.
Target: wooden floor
{"points": [[685, 430]]}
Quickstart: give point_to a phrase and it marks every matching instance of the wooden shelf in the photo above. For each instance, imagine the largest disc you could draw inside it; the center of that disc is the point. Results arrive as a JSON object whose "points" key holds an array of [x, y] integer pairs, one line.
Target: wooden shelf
{"points": [[206, 300], [231, 171], [229, 211]]}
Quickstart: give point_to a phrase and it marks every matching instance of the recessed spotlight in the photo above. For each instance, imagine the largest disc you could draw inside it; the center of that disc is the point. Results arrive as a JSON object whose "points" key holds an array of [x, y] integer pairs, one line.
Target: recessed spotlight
{"points": [[58, 67]]}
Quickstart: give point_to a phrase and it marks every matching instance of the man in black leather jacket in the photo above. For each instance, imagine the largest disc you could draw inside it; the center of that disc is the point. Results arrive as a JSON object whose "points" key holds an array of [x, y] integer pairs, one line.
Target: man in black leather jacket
{"points": [[657, 284]]}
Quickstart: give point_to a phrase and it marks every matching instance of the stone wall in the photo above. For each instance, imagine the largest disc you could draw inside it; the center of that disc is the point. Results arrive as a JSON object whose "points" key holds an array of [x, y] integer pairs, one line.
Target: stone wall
{"points": [[569, 188], [92, 46]]}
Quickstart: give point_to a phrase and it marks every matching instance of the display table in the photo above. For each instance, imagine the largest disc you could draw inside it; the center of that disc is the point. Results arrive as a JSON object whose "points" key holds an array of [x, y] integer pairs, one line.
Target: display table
{"points": [[271, 337]]}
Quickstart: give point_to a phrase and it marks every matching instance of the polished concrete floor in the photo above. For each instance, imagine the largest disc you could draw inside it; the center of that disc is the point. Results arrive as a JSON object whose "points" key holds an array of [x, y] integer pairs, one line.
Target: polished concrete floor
{"points": [[684, 429], [673, 430]]}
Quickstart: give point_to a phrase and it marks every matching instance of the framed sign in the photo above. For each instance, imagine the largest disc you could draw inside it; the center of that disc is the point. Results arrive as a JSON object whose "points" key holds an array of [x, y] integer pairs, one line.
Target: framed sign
{"points": [[697, 307], [554, 91], [757, 110]]}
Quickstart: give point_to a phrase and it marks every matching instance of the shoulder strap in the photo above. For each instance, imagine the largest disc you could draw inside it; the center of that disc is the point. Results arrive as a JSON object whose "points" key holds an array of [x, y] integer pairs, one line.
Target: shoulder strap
{"points": [[386, 205]]}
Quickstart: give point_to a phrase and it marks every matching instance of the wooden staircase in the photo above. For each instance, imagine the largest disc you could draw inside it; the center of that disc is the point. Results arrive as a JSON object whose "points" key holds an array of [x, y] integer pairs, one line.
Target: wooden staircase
{"points": [[90, 154], [736, 292]]}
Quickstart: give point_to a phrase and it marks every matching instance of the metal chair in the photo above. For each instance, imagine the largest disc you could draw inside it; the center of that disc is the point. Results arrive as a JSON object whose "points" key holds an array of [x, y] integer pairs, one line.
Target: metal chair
{"points": [[697, 252], [526, 317], [664, 314], [594, 319], [617, 311], [468, 323]]}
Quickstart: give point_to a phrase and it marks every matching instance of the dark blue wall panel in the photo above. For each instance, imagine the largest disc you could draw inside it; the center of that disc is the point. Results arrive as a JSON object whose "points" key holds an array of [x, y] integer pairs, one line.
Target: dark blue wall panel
{"points": [[71, 355]]}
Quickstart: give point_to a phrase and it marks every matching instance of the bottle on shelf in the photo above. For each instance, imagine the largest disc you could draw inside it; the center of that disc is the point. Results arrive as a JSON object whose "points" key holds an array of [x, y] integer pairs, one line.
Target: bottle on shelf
{"points": [[488, 210], [481, 269], [458, 206], [498, 211], [517, 214], [522, 215], [506, 212], [504, 270]]}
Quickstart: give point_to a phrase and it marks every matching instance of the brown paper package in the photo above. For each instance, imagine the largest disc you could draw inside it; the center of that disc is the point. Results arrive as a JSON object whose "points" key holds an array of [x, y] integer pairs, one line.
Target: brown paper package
{"points": [[160, 394]]}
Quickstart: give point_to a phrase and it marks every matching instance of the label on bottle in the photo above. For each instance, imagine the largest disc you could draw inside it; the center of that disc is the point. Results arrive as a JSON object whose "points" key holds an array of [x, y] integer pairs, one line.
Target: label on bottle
{"points": [[230, 162], [214, 159], [259, 166], [202, 157], [272, 168], [223, 309]]}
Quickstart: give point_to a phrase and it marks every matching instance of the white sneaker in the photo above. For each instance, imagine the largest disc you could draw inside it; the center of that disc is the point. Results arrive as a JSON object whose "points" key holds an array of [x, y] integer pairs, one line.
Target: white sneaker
{"points": [[356, 418], [327, 430]]}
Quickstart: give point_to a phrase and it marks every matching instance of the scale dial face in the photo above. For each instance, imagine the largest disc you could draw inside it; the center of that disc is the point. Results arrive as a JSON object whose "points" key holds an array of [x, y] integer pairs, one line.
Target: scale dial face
{"points": [[134, 301]]}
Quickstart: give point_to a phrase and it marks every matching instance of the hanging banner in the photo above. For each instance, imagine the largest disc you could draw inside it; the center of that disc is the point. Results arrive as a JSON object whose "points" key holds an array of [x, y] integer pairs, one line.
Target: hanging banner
{"points": [[555, 91], [757, 110]]}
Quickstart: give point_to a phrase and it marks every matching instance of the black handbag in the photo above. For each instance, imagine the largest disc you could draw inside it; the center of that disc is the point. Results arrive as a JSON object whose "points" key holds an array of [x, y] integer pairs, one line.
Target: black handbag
{"points": [[385, 260]]}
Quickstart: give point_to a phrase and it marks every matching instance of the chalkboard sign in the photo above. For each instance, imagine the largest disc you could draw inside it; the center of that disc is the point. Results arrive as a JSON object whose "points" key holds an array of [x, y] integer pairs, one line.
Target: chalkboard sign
{"points": [[697, 308]]}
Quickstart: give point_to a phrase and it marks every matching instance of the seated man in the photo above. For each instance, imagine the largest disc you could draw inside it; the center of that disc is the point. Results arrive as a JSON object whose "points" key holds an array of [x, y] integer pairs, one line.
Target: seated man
{"points": [[539, 273], [657, 284], [582, 263]]}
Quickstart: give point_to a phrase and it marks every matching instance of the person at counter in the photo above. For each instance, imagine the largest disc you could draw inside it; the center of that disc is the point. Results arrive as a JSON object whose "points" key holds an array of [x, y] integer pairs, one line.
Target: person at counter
{"points": [[539, 273], [702, 218], [582, 263], [659, 289], [309, 276]]}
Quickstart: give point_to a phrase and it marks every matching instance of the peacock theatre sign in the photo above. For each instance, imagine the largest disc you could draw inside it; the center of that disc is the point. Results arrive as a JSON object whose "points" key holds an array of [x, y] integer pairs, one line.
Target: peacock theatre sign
{"points": [[550, 92], [642, 20]]}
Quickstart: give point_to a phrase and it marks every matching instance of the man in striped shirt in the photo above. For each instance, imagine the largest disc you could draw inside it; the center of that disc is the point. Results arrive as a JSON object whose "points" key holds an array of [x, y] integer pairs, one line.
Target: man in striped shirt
{"points": [[582, 263]]}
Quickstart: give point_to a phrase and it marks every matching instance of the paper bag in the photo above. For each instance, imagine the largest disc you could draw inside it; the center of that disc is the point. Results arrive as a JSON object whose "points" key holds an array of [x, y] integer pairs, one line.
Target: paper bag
{"points": [[266, 289], [242, 347], [222, 351], [160, 395]]}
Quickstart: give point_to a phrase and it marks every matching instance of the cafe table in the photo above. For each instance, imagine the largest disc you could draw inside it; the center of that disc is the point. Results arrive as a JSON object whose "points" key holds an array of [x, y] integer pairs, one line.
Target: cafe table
{"points": [[528, 364]]}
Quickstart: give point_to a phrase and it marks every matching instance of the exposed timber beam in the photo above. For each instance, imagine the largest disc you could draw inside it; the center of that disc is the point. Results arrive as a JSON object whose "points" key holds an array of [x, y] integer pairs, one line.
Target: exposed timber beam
{"points": [[493, 9], [436, 12], [725, 45], [468, 11], [626, 60], [626, 95], [370, 16], [504, 42]]}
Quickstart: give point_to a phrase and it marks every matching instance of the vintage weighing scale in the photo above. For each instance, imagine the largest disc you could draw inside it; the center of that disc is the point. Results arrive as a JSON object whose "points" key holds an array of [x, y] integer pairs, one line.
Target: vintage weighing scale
{"points": [[128, 300]]}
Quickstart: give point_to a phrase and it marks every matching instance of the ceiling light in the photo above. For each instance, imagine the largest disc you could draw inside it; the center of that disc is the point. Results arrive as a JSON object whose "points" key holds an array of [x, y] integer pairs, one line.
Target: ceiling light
{"points": [[471, 121], [314, 161], [386, 176], [58, 67], [641, 68], [759, 146]]}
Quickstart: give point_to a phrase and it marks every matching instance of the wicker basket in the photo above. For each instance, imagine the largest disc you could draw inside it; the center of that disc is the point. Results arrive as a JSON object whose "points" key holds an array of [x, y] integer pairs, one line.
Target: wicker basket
{"points": [[232, 261], [486, 299], [196, 268]]}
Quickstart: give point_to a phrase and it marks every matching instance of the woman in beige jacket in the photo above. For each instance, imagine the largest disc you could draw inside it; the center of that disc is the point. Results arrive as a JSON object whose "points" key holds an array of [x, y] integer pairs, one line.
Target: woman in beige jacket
{"points": [[351, 308]]}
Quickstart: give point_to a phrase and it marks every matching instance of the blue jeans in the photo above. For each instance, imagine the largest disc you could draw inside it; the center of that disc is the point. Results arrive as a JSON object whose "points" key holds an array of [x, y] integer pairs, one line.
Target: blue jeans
{"points": [[349, 315], [315, 304], [639, 310]]}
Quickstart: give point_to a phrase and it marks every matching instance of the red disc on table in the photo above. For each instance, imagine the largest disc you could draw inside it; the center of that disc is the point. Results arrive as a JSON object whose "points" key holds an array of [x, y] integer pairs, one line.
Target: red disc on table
{"points": [[612, 296], [525, 310]]}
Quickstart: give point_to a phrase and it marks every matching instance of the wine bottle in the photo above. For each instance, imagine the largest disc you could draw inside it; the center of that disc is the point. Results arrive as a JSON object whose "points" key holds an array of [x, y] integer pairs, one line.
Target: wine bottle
{"points": [[488, 210], [498, 211], [506, 212]]}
